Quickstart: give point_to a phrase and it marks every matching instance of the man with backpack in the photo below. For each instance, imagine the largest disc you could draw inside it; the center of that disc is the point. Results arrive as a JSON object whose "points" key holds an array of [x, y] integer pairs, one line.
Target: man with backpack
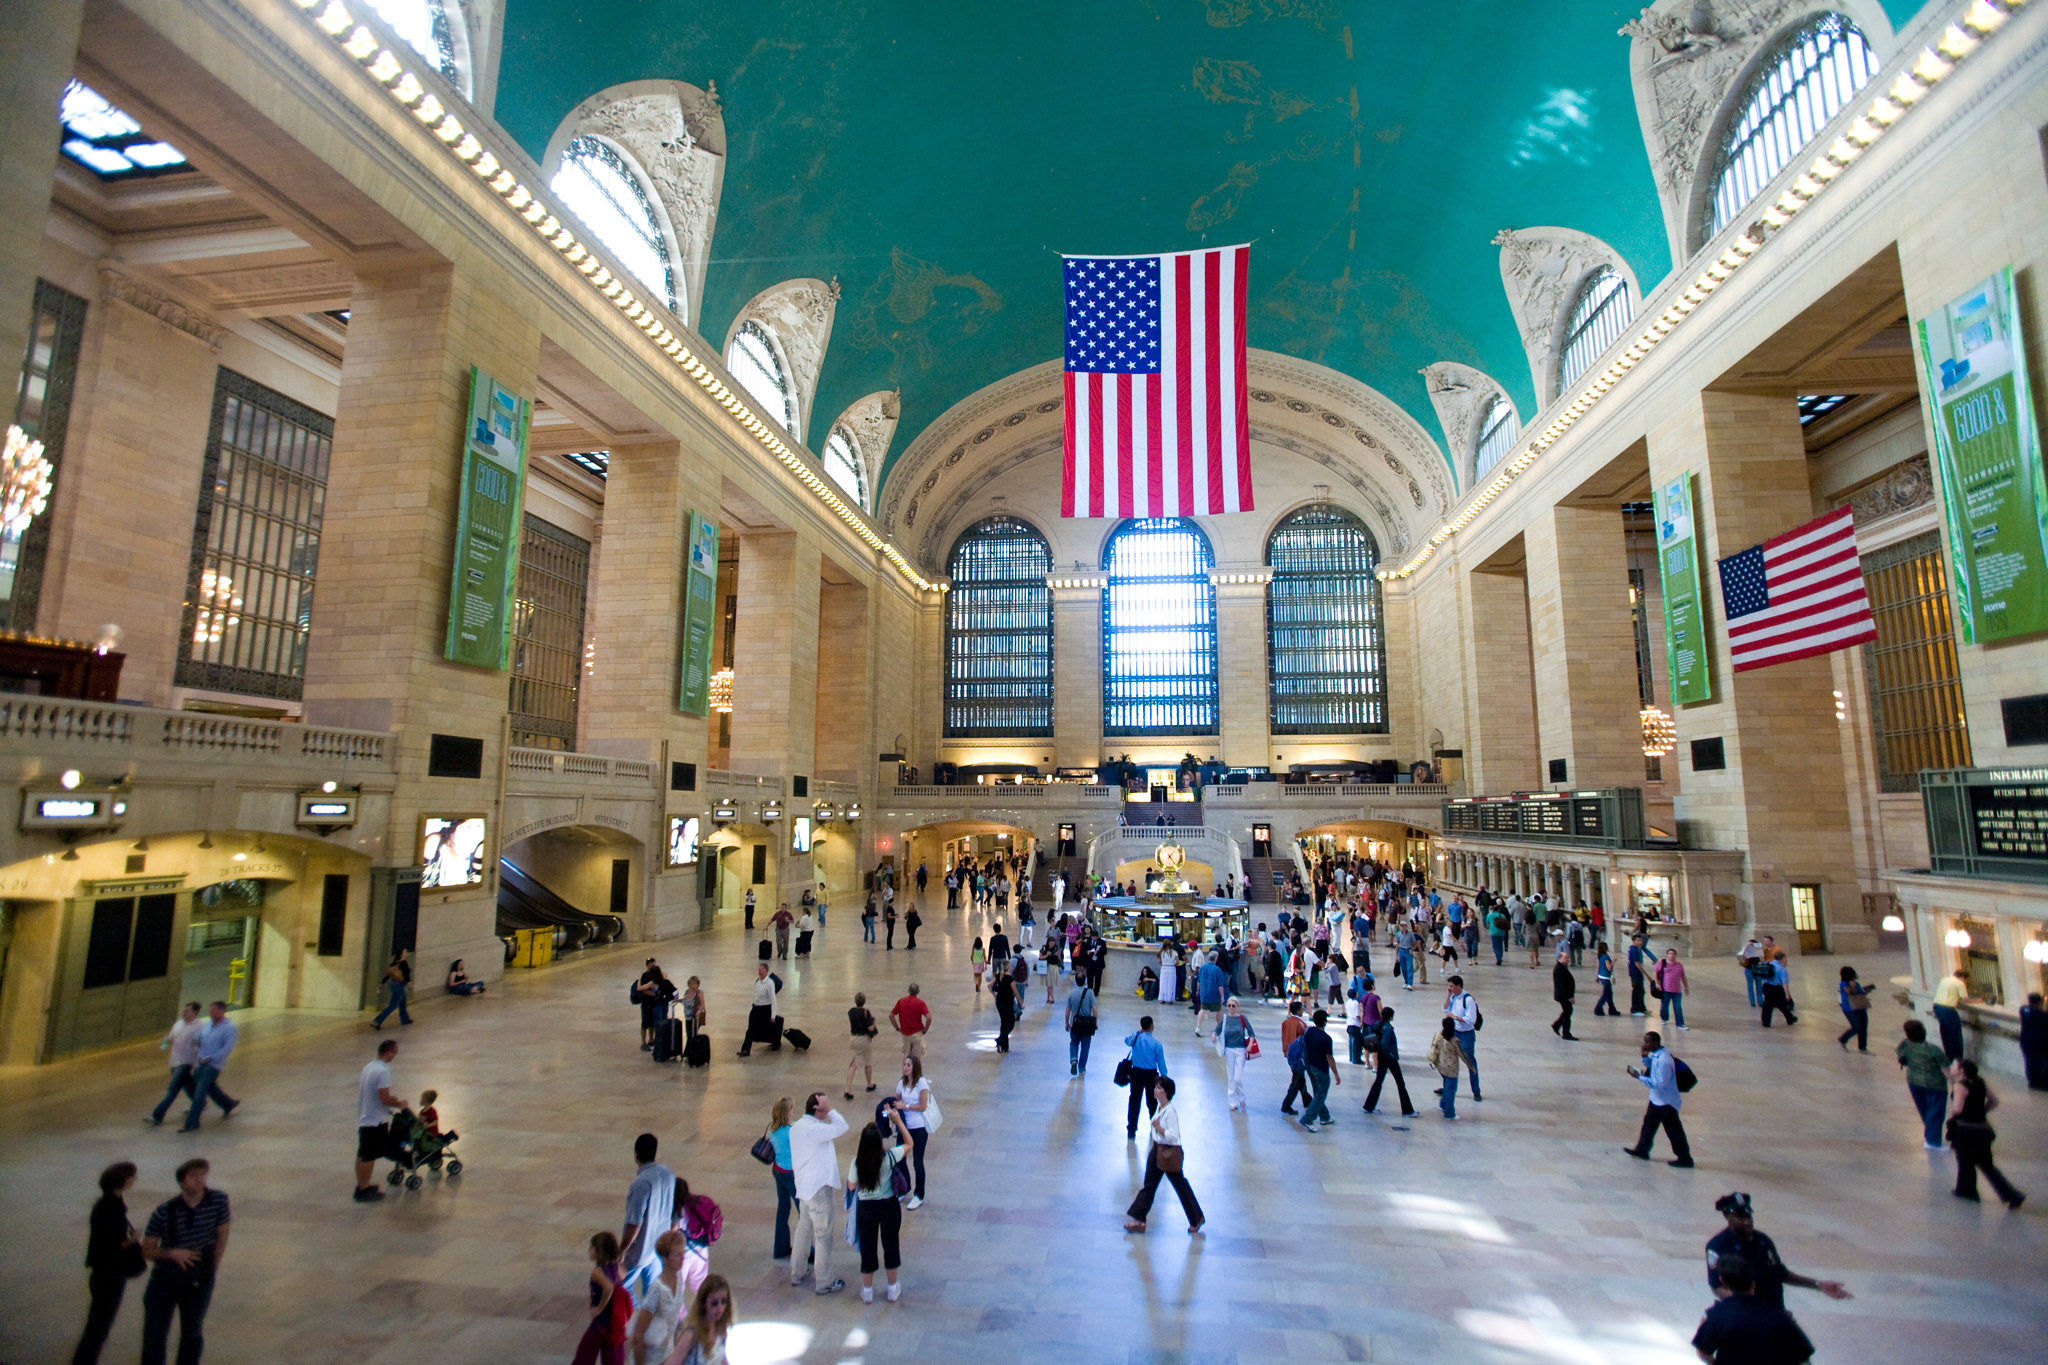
{"points": [[1664, 1076], [1464, 1014]]}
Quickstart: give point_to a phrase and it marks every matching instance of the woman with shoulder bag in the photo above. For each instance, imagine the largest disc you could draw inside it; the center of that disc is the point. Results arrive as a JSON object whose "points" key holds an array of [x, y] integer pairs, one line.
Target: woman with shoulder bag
{"points": [[1081, 1022], [920, 1119], [879, 1180], [1165, 1159], [783, 1168], [1855, 1002], [1238, 1040], [113, 1253], [1970, 1134]]}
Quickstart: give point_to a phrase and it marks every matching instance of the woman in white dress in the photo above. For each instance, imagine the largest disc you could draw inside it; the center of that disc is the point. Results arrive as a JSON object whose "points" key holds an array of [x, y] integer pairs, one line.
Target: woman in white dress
{"points": [[661, 1307], [1169, 976]]}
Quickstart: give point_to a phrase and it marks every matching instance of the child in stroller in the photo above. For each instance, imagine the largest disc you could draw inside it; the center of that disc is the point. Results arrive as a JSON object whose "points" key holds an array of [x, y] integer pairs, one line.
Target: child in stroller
{"points": [[417, 1141]]}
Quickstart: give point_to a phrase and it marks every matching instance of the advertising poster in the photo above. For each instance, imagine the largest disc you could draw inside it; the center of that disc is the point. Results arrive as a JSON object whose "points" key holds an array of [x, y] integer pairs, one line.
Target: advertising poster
{"points": [[700, 588], [1685, 636], [487, 525], [1987, 455]]}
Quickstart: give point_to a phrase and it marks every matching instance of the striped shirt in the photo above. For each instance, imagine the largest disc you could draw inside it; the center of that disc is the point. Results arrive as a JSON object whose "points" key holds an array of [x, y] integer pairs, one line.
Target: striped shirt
{"points": [[178, 1226]]}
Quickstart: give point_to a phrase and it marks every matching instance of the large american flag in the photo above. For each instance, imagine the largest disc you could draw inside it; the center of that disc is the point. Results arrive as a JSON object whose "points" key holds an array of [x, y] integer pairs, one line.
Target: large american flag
{"points": [[1156, 421], [1797, 595]]}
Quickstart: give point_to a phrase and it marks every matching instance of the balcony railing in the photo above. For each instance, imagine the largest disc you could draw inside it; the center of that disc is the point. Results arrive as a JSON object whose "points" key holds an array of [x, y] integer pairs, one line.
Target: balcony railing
{"points": [[137, 729], [1007, 791], [579, 765]]}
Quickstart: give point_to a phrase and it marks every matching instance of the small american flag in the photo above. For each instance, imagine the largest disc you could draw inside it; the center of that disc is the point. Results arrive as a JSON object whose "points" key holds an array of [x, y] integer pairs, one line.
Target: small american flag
{"points": [[1797, 595], [1155, 386]]}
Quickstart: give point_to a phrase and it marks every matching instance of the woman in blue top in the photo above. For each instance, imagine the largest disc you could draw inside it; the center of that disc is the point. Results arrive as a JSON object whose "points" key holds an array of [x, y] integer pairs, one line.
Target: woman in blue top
{"points": [[784, 1171], [1604, 969]]}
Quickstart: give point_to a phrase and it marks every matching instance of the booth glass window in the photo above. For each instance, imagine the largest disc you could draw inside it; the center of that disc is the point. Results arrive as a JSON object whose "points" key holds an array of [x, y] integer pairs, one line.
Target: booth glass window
{"points": [[1325, 638], [547, 635], [1978, 959], [1159, 630], [999, 632]]}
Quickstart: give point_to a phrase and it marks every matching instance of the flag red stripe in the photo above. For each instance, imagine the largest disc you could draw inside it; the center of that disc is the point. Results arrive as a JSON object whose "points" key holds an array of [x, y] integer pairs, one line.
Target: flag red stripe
{"points": [[1154, 419], [1123, 445], [1212, 339], [1184, 367], [1841, 584], [1067, 469], [1095, 445], [1824, 644], [1244, 419]]}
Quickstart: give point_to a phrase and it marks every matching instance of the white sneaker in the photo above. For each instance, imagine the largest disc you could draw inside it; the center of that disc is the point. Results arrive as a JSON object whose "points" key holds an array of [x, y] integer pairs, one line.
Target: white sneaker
{"points": [[914, 1202], [895, 1292], [867, 1294]]}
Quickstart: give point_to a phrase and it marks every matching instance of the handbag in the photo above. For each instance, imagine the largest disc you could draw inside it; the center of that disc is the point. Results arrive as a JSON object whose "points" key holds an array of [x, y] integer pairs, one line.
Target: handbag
{"points": [[1167, 1156], [1251, 1048], [932, 1117], [1123, 1072], [132, 1262], [899, 1179], [763, 1150], [1084, 1026]]}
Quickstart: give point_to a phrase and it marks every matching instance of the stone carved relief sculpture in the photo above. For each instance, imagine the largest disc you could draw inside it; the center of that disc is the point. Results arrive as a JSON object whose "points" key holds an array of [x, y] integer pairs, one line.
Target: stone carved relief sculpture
{"points": [[1542, 269], [676, 134], [1461, 396], [798, 314], [1689, 61]]}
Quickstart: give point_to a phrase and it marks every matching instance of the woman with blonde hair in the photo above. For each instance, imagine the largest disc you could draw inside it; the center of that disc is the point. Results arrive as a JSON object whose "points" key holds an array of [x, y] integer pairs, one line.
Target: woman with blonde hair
{"points": [[702, 1338], [661, 1306]]}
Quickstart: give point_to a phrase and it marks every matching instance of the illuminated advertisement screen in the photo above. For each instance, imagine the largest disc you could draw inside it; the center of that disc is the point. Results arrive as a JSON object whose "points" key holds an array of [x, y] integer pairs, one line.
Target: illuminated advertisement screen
{"points": [[800, 834], [451, 851], [682, 840]]}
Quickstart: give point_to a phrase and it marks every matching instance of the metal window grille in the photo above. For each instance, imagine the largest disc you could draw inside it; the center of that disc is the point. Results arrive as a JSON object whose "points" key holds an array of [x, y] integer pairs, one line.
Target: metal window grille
{"points": [[1496, 435], [603, 189], [255, 543], [1639, 610], [547, 635], [1916, 690], [754, 362], [42, 409], [1602, 311], [999, 632], [1813, 76], [1325, 636], [842, 465], [1159, 630]]}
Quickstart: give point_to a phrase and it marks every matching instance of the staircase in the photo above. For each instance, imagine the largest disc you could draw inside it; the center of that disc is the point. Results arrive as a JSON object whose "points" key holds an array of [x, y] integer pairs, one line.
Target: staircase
{"points": [[1076, 870], [1260, 876]]}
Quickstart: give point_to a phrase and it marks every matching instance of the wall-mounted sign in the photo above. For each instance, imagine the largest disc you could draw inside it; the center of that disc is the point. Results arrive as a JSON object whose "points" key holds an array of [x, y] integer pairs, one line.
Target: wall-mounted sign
{"points": [[323, 809], [800, 834], [451, 851], [1987, 453], [682, 840], [487, 525], [1678, 561], [1609, 818], [58, 808], [700, 589], [1987, 822]]}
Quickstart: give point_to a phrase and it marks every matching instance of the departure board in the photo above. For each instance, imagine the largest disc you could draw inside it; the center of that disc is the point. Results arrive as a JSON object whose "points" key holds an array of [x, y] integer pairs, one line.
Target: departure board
{"points": [[1987, 822], [1609, 818]]}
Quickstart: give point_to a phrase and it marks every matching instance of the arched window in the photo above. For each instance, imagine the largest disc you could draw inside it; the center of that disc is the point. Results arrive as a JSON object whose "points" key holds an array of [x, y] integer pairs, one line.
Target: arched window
{"points": [[1811, 77], [842, 465], [1326, 644], [601, 187], [1602, 310], [1159, 630], [1497, 432], [999, 632], [432, 28], [753, 360]]}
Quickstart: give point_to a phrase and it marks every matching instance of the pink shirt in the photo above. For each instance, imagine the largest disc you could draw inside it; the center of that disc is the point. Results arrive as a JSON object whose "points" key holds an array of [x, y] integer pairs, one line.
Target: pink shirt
{"points": [[1671, 976]]}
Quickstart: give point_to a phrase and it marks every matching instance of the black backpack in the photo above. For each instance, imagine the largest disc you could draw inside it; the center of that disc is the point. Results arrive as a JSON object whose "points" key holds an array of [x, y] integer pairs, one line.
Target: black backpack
{"points": [[1685, 1077]]}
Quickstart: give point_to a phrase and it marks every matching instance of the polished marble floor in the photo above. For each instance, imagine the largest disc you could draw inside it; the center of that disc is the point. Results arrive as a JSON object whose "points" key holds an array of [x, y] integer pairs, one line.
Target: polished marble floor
{"points": [[1518, 1234]]}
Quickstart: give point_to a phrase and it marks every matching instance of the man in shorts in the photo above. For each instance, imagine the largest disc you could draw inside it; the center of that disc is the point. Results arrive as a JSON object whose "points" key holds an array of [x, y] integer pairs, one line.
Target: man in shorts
{"points": [[375, 1102], [913, 1019]]}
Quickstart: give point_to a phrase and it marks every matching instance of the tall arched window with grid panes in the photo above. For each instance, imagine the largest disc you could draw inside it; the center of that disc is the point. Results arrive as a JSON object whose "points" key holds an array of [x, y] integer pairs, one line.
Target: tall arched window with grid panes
{"points": [[1802, 83], [1602, 309], [1325, 637], [1159, 630], [757, 364], [999, 632], [601, 185], [842, 465], [1497, 432]]}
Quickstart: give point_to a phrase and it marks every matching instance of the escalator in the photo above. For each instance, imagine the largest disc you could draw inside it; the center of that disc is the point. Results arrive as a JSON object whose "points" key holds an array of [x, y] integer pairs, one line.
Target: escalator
{"points": [[524, 903]]}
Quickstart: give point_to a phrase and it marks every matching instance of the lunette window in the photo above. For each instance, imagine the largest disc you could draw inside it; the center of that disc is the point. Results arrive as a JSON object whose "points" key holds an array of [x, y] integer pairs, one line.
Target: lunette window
{"points": [[999, 632], [1602, 310], [1497, 432], [754, 361], [1325, 636], [1159, 630], [842, 465], [602, 187], [431, 30]]}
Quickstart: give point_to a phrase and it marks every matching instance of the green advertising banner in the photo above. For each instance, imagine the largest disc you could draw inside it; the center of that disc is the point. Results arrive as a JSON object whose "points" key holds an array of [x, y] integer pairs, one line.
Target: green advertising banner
{"points": [[1685, 635], [487, 525], [1987, 450], [700, 588]]}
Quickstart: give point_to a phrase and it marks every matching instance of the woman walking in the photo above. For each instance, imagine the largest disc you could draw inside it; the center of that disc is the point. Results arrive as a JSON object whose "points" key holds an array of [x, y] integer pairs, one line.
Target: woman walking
{"points": [[1855, 1003], [1005, 992], [1237, 1040], [397, 977], [113, 1253], [878, 1222], [914, 1102], [888, 924], [1164, 1159], [702, 1338], [1669, 976], [1970, 1133], [1081, 1023], [660, 1310], [1445, 1056], [783, 1168], [862, 1028], [979, 957], [1926, 1070], [611, 1307], [1603, 970]]}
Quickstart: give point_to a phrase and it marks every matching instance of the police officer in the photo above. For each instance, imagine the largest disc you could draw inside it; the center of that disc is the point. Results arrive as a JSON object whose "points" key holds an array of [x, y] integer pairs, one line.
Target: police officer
{"points": [[1760, 1254]]}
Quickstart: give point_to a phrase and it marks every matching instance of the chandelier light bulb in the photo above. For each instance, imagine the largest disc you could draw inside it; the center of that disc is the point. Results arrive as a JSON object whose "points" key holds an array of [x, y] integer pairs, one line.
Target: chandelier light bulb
{"points": [[1894, 924], [1957, 938]]}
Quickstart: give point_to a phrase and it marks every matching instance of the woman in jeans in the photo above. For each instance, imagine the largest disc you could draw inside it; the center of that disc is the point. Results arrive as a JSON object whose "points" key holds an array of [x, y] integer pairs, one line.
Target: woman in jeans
{"points": [[1855, 1002], [1926, 1070], [1971, 1135], [1164, 1159], [1237, 1034], [879, 1220], [1670, 978], [784, 1171]]}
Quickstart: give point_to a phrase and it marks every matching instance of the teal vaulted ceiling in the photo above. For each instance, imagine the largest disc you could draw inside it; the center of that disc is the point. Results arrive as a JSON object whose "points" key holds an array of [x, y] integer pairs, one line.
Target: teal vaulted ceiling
{"points": [[935, 157]]}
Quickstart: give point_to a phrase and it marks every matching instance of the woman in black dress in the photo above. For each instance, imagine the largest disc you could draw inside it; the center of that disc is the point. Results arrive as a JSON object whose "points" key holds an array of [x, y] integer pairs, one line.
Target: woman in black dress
{"points": [[113, 1255], [1970, 1134]]}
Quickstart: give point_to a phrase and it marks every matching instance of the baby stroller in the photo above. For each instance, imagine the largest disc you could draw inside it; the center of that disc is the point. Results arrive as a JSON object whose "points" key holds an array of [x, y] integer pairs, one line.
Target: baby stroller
{"points": [[413, 1147]]}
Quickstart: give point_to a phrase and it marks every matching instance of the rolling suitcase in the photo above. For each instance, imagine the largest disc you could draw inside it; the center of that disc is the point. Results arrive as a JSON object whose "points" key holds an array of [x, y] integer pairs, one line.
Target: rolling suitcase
{"points": [[697, 1052], [774, 1039], [797, 1039], [767, 949], [668, 1039]]}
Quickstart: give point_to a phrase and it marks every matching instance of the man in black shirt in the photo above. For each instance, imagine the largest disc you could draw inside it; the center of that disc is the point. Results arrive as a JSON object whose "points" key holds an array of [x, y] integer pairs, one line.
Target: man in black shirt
{"points": [[1319, 1060], [1759, 1255], [1742, 1329]]}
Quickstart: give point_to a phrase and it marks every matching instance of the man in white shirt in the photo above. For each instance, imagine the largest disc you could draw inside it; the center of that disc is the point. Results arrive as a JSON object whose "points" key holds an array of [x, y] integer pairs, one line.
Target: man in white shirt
{"points": [[814, 1162], [1464, 1012], [650, 1212], [183, 1042], [374, 1103], [761, 1013]]}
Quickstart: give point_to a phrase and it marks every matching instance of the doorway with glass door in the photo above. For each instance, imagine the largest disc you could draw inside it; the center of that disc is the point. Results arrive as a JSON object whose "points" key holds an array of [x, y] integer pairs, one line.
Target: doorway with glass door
{"points": [[220, 945], [1807, 919]]}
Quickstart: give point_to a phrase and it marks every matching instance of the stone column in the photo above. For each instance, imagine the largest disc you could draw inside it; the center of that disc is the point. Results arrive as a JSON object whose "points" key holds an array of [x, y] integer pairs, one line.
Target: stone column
{"points": [[1500, 687], [1077, 670], [775, 655], [1781, 797], [1582, 634], [380, 618], [844, 746], [1244, 695], [35, 62]]}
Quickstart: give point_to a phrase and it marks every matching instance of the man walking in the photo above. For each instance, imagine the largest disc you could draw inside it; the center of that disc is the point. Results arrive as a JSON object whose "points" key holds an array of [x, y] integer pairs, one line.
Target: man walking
{"points": [[1319, 1060], [1387, 1056], [1081, 1022], [998, 951], [814, 1165], [953, 890], [1759, 1253], [216, 1045], [186, 1240], [183, 1042], [1778, 996], [1148, 1064], [1563, 987], [375, 1102], [913, 1019], [761, 1012], [1659, 1076], [650, 1212], [781, 920], [921, 876], [1464, 1013], [1210, 983]]}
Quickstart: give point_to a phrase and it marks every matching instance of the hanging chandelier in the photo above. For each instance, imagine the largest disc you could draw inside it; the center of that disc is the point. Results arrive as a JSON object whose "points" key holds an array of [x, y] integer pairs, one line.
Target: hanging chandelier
{"points": [[721, 691], [25, 475], [1660, 733]]}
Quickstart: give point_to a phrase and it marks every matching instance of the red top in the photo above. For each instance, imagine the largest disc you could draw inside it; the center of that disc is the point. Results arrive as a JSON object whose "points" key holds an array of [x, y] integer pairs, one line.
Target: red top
{"points": [[911, 1015]]}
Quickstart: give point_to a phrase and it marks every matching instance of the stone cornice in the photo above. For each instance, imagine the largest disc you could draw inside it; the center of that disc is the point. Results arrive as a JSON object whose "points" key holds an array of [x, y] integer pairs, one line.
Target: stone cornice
{"points": [[118, 284]]}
